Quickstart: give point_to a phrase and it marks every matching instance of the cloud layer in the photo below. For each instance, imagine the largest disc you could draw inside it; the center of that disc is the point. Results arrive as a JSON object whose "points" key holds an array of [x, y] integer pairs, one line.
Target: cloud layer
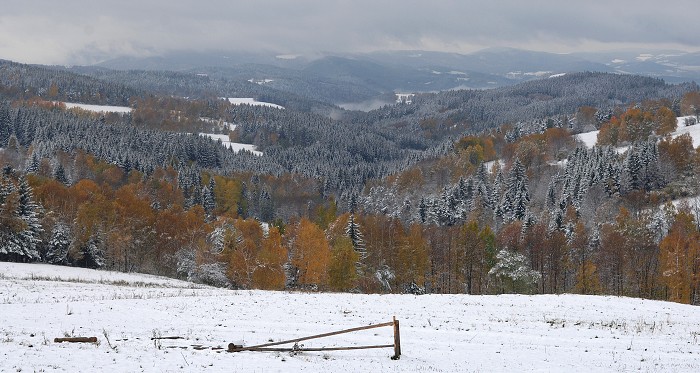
{"points": [[72, 32]]}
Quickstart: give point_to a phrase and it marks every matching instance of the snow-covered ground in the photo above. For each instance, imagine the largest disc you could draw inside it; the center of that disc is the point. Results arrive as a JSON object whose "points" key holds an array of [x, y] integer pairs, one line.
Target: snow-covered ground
{"points": [[694, 131], [251, 101], [99, 108], [222, 124], [233, 145], [489, 165], [261, 81], [439, 333], [589, 139]]}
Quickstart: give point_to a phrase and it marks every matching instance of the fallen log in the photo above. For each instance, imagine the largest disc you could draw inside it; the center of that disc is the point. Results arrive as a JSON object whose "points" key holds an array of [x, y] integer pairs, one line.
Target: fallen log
{"points": [[76, 340], [173, 337]]}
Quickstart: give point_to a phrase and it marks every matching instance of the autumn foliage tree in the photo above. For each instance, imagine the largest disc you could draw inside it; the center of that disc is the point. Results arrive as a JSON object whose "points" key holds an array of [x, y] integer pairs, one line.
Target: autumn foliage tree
{"points": [[413, 262], [690, 103], [680, 260], [243, 243], [637, 124], [342, 271], [679, 151], [269, 272], [310, 254]]}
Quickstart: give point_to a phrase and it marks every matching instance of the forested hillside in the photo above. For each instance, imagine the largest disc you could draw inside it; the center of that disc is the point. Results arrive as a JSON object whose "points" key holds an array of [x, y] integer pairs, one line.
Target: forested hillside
{"points": [[26, 81], [468, 191], [212, 84]]}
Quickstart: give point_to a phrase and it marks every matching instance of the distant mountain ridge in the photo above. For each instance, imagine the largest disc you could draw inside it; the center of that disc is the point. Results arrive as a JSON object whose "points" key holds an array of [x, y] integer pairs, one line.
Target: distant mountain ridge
{"points": [[355, 77]]}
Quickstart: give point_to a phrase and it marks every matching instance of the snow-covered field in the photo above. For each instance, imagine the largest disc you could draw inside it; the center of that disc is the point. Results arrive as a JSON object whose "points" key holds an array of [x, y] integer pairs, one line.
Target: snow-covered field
{"points": [[439, 333], [251, 101], [99, 108], [694, 131]]}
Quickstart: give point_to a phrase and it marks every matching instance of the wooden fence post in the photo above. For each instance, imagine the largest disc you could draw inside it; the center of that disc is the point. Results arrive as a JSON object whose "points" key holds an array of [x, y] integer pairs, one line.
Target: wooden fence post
{"points": [[397, 341]]}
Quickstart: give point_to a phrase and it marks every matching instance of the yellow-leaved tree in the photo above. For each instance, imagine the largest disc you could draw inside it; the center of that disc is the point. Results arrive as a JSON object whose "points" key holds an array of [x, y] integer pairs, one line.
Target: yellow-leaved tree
{"points": [[310, 254], [413, 262], [680, 260], [342, 268]]}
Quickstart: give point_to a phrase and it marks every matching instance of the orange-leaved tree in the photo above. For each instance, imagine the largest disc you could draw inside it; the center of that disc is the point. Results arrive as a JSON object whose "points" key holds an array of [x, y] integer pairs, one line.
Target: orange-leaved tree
{"points": [[310, 254], [269, 272]]}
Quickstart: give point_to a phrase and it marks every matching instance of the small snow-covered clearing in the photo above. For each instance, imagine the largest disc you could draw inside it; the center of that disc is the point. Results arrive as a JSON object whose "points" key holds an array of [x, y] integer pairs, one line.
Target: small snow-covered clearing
{"points": [[251, 101], [589, 139], [439, 333], [99, 108], [233, 145]]}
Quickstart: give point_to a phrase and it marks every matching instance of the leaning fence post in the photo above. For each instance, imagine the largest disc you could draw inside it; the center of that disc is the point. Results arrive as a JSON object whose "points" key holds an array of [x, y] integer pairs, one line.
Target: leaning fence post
{"points": [[397, 341]]}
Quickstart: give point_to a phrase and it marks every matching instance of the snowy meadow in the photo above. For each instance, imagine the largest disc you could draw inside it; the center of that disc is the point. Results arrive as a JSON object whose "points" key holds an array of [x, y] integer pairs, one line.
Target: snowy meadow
{"points": [[439, 333]]}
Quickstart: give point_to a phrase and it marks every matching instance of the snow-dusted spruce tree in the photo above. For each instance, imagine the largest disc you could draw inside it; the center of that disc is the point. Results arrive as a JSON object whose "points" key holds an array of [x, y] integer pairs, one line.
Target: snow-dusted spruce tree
{"points": [[208, 202], [19, 222], [29, 211], [59, 173], [514, 273], [10, 224], [92, 255], [32, 165], [352, 230], [57, 248], [516, 199]]}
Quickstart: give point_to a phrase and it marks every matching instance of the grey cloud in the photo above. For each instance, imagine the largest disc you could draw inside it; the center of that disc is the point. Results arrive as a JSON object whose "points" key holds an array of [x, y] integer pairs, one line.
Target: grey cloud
{"points": [[82, 31]]}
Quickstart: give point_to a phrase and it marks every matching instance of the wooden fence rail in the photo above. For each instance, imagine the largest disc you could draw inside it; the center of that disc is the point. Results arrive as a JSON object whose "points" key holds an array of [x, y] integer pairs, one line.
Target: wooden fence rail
{"points": [[76, 340], [268, 346]]}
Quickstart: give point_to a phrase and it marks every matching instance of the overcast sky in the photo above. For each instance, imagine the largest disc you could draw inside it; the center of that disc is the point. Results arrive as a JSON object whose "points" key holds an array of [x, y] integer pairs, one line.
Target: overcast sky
{"points": [[80, 32]]}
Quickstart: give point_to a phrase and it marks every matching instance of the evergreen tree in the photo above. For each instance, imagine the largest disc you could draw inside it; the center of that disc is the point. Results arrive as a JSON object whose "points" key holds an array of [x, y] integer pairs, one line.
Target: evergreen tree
{"points": [[91, 253], [32, 164], [266, 207], [5, 124], [516, 199], [59, 173], [551, 194], [244, 202], [208, 202], [633, 169], [423, 211], [10, 224], [28, 211], [352, 230], [59, 243], [212, 185]]}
